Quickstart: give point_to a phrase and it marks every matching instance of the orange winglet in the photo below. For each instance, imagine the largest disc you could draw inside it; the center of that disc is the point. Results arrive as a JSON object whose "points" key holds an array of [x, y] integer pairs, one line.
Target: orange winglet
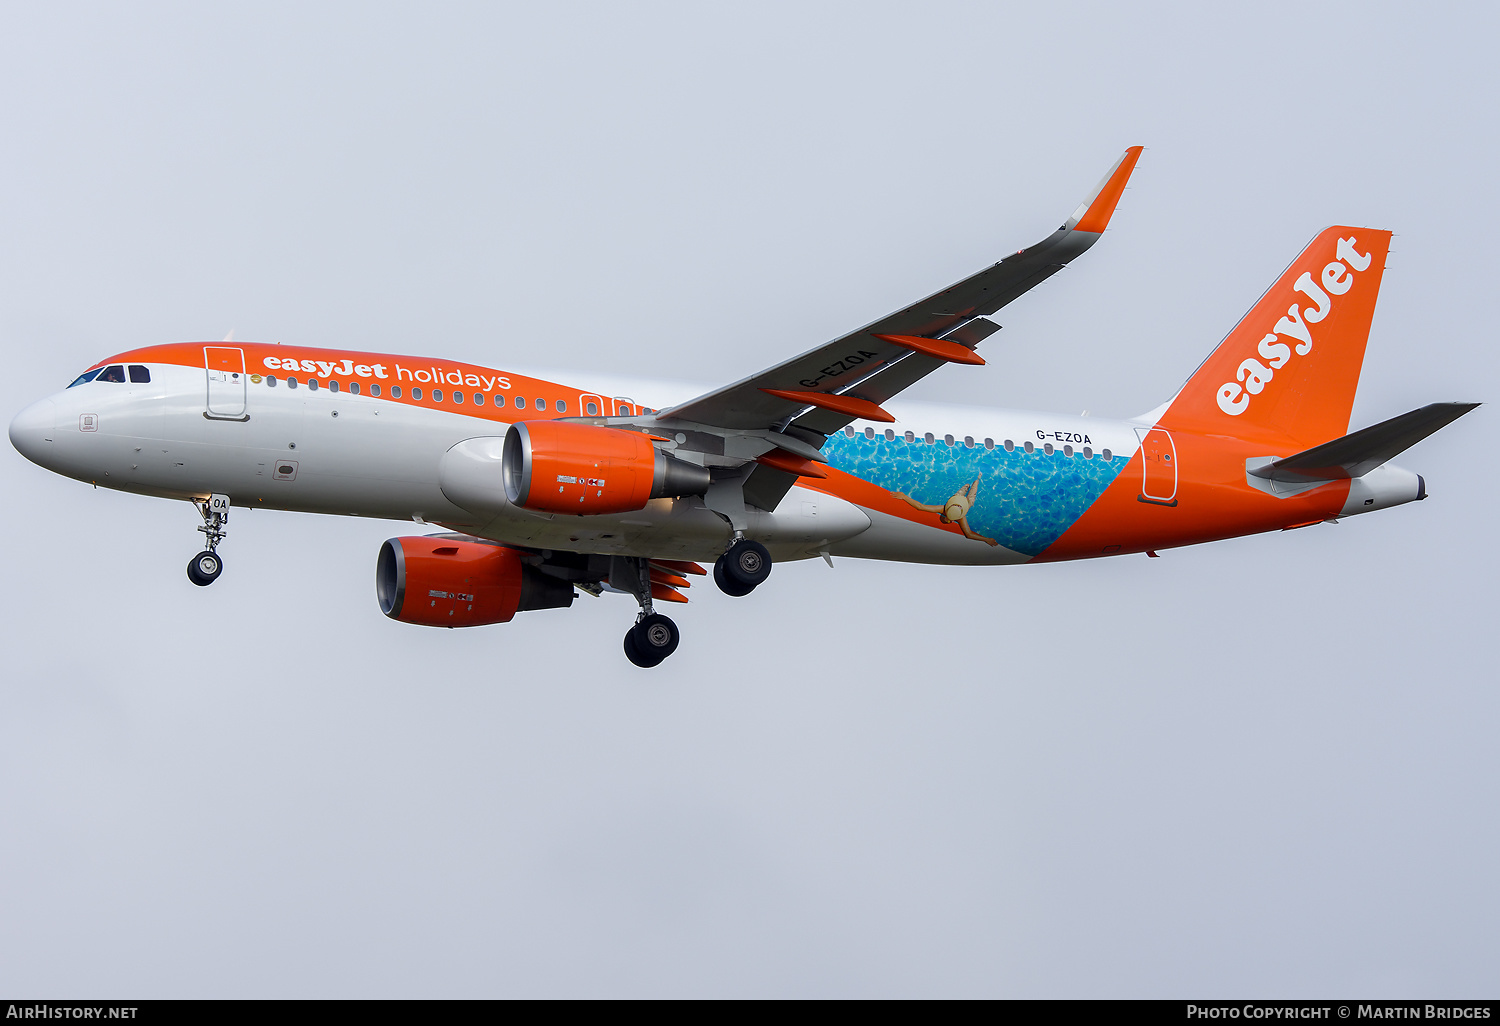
{"points": [[662, 577], [846, 404], [780, 459], [1102, 206], [950, 351], [662, 593], [682, 566]]}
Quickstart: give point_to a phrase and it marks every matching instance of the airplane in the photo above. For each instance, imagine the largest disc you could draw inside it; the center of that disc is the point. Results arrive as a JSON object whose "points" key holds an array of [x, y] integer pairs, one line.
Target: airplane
{"points": [[542, 492]]}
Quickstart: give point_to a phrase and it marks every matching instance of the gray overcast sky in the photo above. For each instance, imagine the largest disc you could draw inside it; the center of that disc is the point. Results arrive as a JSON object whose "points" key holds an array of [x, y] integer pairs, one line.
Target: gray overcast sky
{"points": [[1261, 767]]}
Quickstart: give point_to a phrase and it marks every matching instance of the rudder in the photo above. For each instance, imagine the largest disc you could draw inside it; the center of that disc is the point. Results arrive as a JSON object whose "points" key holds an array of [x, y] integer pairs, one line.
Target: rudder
{"points": [[1290, 368]]}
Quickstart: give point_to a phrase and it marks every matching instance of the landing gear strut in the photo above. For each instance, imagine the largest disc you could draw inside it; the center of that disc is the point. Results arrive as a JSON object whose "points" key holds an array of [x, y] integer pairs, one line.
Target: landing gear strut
{"points": [[654, 637], [745, 566], [204, 568]]}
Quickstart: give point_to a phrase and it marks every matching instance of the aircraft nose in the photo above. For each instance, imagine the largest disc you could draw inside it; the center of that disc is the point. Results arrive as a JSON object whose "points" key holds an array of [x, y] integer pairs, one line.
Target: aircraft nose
{"points": [[31, 432]]}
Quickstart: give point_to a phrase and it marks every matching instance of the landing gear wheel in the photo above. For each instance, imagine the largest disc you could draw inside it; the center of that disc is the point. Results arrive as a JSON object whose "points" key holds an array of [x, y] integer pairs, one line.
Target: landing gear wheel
{"points": [[205, 568], [746, 565], [651, 640], [727, 586]]}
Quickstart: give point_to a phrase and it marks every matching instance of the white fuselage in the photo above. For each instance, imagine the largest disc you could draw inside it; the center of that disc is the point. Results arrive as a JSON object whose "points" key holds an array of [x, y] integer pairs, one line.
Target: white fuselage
{"points": [[356, 455]]}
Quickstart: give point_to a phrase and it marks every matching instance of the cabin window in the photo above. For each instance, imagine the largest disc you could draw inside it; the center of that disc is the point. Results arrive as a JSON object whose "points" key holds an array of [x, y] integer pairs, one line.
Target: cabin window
{"points": [[1029, 448], [458, 397], [395, 391], [416, 393], [139, 375], [989, 443], [374, 388], [437, 395], [85, 377], [1068, 451], [890, 436], [948, 441], [312, 384], [562, 407], [1010, 446], [333, 386], [909, 437], [968, 441], [928, 438], [520, 402], [1047, 448], [1107, 455], [1088, 453], [869, 432], [270, 381], [354, 388], [592, 409], [541, 404], [115, 374], [849, 431], [291, 382], [478, 398], [499, 400]]}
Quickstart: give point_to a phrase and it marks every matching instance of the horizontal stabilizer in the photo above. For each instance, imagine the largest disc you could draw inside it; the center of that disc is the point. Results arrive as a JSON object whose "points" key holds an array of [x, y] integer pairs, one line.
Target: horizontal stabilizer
{"points": [[1356, 454]]}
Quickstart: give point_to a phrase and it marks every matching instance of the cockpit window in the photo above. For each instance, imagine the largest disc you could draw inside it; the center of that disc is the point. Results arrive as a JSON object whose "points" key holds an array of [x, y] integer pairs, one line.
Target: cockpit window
{"points": [[139, 375], [86, 377], [114, 373]]}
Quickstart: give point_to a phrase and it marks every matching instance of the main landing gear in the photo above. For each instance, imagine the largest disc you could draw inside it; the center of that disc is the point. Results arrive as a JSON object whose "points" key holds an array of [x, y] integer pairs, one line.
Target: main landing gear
{"points": [[745, 566], [654, 637], [205, 568]]}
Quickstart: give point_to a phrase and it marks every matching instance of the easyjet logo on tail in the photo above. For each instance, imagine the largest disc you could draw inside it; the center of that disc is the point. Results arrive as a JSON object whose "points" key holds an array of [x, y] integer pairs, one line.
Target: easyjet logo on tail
{"points": [[1253, 376]]}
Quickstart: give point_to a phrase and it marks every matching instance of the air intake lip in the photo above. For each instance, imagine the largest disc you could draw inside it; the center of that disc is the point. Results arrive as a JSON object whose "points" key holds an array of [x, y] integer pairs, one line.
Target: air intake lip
{"points": [[390, 578], [515, 463]]}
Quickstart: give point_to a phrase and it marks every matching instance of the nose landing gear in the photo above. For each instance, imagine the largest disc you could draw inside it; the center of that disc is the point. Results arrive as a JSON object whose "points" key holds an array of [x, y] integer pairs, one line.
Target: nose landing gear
{"points": [[204, 568], [745, 566]]}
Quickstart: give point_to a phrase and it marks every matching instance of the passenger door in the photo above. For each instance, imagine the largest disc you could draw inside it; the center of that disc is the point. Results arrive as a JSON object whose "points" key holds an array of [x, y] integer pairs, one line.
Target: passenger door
{"points": [[226, 382], [1158, 467]]}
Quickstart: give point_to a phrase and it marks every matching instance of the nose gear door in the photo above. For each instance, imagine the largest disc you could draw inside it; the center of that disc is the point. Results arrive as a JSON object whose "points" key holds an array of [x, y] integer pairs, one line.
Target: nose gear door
{"points": [[226, 382], [1158, 467]]}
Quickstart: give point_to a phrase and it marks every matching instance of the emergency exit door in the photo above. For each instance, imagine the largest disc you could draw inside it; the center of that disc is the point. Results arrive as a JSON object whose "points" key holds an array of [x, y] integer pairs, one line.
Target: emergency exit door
{"points": [[1158, 467], [226, 381]]}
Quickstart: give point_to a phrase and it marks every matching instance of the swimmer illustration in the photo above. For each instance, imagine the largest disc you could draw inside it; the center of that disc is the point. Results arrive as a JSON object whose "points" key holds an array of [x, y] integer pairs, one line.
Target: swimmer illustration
{"points": [[955, 510]]}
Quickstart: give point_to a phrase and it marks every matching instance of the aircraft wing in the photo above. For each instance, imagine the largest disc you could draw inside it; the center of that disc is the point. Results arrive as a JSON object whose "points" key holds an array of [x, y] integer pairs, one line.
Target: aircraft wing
{"points": [[846, 379]]}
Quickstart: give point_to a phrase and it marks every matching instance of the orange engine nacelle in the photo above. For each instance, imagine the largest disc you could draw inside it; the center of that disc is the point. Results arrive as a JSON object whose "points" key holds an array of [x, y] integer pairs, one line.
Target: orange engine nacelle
{"points": [[557, 467], [460, 582]]}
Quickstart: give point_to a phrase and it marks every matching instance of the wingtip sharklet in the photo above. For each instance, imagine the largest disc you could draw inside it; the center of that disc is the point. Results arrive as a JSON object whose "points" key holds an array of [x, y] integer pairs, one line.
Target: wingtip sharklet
{"points": [[1093, 214]]}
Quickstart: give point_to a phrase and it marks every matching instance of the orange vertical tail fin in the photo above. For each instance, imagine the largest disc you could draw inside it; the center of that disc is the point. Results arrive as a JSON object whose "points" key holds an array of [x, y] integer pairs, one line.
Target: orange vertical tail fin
{"points": [[1289, 369]]}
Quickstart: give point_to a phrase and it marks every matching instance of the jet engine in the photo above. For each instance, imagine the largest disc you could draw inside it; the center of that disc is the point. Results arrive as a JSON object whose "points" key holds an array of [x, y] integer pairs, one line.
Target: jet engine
{"points": [[455, 581], [558, 467]]}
